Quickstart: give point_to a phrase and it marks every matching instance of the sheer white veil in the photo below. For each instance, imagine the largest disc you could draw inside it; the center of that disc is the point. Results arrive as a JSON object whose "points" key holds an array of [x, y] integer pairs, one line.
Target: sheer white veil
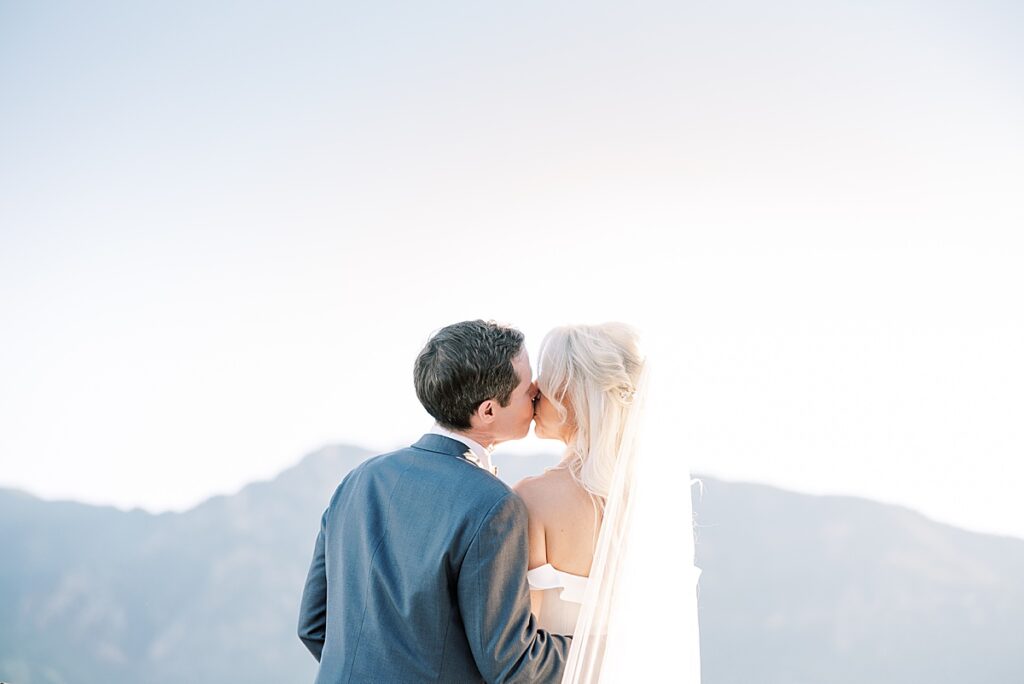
{"points": [[638, 621]]}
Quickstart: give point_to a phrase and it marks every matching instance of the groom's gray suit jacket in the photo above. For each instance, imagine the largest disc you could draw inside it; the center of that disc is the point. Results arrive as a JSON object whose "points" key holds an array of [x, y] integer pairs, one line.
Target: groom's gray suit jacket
{"points": [[419, 575]]}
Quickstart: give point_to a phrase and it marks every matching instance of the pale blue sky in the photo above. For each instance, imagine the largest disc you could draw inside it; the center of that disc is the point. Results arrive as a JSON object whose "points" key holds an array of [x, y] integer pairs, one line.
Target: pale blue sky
{"points": [[226, 229]]}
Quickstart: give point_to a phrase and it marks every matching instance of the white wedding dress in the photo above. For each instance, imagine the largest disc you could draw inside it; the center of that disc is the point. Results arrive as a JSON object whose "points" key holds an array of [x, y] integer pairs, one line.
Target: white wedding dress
{"points": [[563, 597]]}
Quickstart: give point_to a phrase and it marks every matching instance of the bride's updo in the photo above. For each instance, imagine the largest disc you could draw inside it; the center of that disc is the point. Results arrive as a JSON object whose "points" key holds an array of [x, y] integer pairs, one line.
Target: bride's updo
{"points": [[593, 376]]}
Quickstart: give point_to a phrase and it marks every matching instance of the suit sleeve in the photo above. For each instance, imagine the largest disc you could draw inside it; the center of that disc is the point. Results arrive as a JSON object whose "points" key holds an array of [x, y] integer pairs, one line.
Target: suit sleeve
{"points": [[313, 608], [494, 600]]}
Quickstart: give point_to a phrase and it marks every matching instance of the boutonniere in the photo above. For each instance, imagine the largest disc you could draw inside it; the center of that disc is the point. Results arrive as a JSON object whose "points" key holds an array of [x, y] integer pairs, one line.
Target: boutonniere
{"points": [[472, 458]]}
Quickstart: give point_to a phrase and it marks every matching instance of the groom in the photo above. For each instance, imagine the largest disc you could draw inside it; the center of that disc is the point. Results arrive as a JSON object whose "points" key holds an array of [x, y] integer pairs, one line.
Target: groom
{"points": [[419, 570]]}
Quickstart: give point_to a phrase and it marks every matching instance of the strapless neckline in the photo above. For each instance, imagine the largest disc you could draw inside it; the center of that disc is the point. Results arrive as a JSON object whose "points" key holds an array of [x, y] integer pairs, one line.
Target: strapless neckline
{"points": [[548, 576]]}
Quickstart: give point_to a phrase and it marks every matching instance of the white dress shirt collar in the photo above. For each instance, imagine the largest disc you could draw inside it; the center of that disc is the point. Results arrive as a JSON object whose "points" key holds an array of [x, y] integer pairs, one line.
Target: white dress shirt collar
{"points": [[477, 453]]}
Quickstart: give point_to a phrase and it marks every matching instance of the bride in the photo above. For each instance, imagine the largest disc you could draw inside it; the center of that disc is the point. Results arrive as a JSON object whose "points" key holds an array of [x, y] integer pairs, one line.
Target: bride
{"points": [[601, 567]]}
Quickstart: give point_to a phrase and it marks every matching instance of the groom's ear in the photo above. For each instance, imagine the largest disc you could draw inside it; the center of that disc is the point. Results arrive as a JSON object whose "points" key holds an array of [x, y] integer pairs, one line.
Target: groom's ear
{"points": [[485, 412]]}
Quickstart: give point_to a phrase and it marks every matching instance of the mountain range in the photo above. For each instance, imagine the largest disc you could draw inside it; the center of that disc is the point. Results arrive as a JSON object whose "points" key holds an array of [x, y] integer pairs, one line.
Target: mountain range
{"points": [[795, 589]]}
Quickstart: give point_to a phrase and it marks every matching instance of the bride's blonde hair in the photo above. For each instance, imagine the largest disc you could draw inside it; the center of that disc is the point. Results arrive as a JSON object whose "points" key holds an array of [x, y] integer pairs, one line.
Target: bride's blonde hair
{"points": [[594, 373]]}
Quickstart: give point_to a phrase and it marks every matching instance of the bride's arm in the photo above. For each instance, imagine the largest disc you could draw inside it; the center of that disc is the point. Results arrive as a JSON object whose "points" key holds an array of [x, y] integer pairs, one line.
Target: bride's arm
{"points": [[528, 492]]}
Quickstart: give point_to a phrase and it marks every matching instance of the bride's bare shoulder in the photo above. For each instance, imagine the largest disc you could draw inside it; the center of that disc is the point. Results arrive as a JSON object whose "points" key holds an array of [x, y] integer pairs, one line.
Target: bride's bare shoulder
{"points": [[547, 492], [533, 488]]}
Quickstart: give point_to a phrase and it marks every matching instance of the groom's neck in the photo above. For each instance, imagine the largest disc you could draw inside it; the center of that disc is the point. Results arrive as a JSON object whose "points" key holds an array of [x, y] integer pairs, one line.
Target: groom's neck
{"points": [[484, 439]]}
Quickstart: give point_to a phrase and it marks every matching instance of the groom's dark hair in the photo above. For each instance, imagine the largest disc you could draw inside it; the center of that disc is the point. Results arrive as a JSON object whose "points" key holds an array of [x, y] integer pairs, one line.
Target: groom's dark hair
{"points": [[463, 365]]}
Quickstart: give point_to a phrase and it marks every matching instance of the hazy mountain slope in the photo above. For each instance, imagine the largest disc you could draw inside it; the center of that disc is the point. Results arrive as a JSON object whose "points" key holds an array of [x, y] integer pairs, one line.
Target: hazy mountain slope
{"points": [[831, 589], [795, 588]]}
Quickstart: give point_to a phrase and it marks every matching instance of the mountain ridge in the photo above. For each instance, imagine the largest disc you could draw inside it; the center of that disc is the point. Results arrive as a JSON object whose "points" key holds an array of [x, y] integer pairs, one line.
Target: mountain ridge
{"points": [[324, 453]]}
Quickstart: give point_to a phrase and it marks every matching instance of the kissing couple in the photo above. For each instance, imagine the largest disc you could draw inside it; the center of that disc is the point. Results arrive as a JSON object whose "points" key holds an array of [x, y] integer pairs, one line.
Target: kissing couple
{"points": [[428, 568]]}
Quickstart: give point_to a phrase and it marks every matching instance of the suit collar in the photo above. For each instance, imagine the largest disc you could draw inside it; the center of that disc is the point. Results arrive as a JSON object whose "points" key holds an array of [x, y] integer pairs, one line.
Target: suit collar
{"points": [[440, 444], [477, 453]]}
